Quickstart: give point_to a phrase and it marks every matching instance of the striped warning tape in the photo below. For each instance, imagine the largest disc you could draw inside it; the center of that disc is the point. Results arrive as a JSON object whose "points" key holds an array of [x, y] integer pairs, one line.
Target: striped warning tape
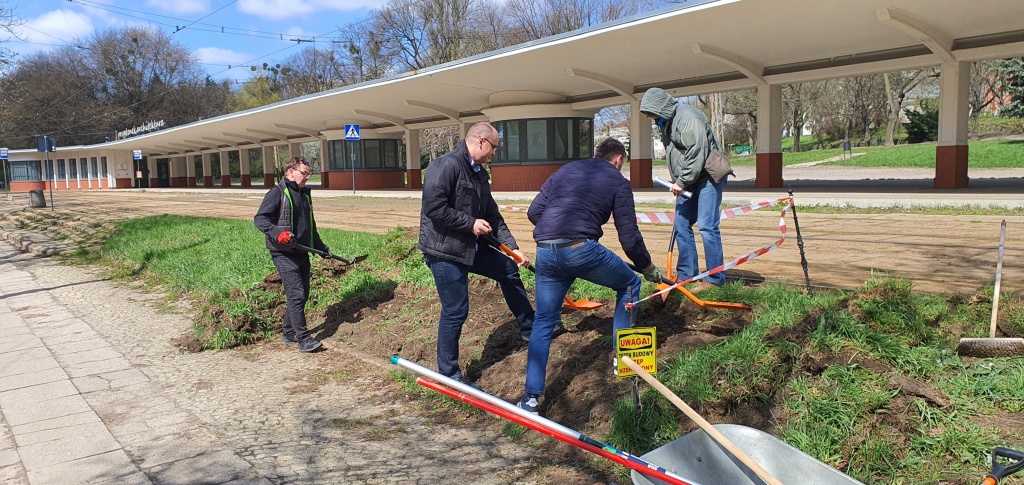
{"points": [[670, 217], [740, 260]]}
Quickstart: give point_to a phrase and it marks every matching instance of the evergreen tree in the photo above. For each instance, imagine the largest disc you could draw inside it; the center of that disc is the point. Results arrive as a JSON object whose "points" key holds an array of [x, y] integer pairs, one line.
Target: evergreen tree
{"points": [[1012, 73], [923, 124]]}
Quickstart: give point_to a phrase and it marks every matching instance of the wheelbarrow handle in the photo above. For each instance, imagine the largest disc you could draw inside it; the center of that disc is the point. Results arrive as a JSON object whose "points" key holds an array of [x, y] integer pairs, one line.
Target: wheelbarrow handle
{"points": [[327, 255], [999, 471]]}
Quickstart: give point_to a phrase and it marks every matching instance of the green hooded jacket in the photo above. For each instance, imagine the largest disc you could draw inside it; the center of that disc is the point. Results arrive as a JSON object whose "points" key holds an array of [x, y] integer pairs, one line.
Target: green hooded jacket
{"points": [[686, 134]]}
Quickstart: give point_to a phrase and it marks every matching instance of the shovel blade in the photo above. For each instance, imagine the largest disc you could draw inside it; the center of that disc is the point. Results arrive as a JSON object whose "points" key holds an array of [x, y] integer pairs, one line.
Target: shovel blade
{"points": [[583, 304]]}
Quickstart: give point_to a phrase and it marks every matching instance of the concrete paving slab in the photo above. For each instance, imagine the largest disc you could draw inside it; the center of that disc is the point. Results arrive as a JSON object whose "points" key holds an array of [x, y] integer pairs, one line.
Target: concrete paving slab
{"points": [[133, 479], [9, 457], [99, 468], [95, 428], [42, 392], [110, 380], [13, 475], [28, 365], [98, 367], [67, 448], [67, 328], [79, 346], [22, 354], [19, 342], [171, 448], [87, 356], [219, 467], [28, 379], [57, 423], [20, 413], [80, 336]]}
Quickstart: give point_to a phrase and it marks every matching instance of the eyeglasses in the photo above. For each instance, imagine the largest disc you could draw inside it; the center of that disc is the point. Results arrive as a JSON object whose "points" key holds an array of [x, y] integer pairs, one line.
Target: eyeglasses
{"points": [[305, 173], [493, 145]]}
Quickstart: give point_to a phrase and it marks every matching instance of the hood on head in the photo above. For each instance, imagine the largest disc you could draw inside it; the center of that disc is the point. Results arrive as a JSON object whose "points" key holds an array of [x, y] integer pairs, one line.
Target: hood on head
{"points": [[658, 102]]}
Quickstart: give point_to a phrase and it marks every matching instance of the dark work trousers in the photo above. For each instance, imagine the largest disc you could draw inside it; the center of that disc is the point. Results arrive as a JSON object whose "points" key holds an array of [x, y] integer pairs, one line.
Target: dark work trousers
{"points": [[294, 271], [452, 280]]}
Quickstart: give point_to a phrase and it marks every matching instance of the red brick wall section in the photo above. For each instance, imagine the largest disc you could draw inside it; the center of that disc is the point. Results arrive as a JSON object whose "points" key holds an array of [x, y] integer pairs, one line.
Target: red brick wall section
{"points": [[123, 183], [382, 179], [516, 178], [415, 178], [178, 182], [27, 186], [246, 181], [640, 173], [207, 181], [190, 181], [769, 171], [325, 180], [268, 180], [154, 183], [225, 181], [951, 167]]}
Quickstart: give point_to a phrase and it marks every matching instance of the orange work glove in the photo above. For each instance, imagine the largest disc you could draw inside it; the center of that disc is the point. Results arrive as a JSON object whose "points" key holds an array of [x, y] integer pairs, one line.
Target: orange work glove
{"points": [[285, 238]]}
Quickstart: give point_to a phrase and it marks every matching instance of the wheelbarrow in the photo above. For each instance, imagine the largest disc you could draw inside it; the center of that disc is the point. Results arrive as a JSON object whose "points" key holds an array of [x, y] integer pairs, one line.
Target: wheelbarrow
{"points": [[699, 458]]}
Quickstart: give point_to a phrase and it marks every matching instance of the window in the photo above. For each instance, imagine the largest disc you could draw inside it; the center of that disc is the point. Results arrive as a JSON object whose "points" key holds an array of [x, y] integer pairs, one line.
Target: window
{"points": [[544, 140], [391, 159], [103, 161], [26, 171], [372, 153], [49, 170], [62, 169], [95, 171], [336, 155], [72, 168], [85, 167]]}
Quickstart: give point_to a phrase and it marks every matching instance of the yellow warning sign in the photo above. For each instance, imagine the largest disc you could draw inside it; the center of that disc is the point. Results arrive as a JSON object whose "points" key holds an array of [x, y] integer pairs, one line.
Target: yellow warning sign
{"points": [[640, 344]]}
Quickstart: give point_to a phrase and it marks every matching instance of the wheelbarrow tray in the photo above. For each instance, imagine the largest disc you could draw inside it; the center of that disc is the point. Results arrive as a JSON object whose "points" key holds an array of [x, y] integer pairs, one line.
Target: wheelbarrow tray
{"points": [[697, 457]]}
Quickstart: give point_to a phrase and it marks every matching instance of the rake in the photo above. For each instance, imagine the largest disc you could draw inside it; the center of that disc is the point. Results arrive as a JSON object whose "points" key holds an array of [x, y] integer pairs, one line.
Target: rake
{"points": [[992, 346]]}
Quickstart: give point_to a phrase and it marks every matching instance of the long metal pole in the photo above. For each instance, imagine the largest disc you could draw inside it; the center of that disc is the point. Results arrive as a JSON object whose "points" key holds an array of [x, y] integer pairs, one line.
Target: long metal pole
{"points": [[7, 181], [551, 426], [800, 244], [47, 151]]}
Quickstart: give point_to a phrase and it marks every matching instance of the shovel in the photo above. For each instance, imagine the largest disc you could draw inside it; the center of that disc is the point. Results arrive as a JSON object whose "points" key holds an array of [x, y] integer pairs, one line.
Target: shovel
{"points": [[327, 255], [665, 283], [999, 471], [582, 304]]}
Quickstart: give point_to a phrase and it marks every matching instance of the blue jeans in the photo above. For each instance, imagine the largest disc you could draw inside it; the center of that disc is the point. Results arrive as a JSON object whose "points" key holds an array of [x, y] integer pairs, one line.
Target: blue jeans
{"points": [[704, 209], [452, 281], [556, 271]]}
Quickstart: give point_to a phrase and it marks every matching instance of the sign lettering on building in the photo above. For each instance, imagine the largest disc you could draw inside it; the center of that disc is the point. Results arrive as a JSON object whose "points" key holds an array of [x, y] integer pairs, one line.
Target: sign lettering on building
{"points": [[138, 130]]}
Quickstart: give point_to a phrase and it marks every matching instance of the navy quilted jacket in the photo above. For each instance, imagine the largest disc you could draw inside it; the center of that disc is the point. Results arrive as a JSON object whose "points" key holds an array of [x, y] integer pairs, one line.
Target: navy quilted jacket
{"points": [[579, 198]]}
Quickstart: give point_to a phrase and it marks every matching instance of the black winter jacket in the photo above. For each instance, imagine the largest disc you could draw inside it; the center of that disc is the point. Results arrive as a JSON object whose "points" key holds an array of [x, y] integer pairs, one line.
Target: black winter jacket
{"points": [[579, 198], [302, 224], [454, 197]]}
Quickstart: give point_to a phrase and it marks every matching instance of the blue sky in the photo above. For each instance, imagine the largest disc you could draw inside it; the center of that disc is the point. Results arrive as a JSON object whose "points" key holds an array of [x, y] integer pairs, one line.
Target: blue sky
{"points": [[253, 28]]}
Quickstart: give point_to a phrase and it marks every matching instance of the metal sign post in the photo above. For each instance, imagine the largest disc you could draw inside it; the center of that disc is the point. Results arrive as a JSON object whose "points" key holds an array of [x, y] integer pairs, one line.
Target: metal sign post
{"points": [[47, 144], [3, 156], [352, 134]]}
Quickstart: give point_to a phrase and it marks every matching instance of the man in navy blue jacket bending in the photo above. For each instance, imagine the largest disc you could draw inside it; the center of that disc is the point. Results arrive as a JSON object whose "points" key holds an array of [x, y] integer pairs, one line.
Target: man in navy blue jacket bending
{"points": [[568, 214]]}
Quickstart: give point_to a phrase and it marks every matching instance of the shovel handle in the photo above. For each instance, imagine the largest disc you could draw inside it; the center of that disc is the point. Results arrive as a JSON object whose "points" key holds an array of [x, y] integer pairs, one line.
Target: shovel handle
{"points": [[704, 425], [327, 255], [999, 274], [508, 251], [999, 471]]}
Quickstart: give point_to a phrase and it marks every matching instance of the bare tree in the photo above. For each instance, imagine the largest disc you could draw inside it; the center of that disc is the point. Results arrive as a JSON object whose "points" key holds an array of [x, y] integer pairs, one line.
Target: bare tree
{"points": [[897, 86], [8, 22], [310, 71], [986, 88]]}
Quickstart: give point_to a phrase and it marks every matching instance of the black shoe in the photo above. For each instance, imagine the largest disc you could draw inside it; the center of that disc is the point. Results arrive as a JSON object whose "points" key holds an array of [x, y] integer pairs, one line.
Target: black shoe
{"points": [[309, 344], [524, 335], [530, 403], [463, 380], [288, 340]]}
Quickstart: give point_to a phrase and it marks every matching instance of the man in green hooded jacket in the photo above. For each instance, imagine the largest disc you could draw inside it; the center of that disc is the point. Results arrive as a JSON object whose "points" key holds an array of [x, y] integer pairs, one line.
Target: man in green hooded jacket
{"points": [[689, 141]]}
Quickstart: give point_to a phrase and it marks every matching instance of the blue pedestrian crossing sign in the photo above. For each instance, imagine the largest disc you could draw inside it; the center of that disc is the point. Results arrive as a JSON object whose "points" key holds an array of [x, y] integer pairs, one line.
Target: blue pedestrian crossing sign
{"points": [[352, 132], [3, 154]]}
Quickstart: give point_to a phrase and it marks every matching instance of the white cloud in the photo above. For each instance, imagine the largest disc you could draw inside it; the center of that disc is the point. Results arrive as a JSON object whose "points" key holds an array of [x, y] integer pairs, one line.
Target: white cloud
{"points": [[283, 9], [216, 55], [180, 7], [55, 27]]}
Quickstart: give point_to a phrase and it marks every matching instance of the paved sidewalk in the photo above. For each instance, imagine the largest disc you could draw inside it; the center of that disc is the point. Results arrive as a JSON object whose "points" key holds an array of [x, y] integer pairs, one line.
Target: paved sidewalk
{"points": [[91, 391], [75, 410]]}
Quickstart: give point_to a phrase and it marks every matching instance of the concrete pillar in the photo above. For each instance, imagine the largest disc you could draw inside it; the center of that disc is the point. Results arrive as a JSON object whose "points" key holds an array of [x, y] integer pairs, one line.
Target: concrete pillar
{"points": [[154, 181], [67, 174], [464, 128], [190, 170], [225, 169], [769, 137], [243, 168], [324, 162], [178, 172], [208, 170], [951, 150], [294, 150], [87, 174], [413, 173], [269, 157], [641, 150]]}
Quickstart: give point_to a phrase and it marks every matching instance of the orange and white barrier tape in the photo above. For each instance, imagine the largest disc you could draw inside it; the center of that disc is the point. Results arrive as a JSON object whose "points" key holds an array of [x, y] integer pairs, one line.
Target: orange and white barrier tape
{"points": [[670, 217], [742, 259]]}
